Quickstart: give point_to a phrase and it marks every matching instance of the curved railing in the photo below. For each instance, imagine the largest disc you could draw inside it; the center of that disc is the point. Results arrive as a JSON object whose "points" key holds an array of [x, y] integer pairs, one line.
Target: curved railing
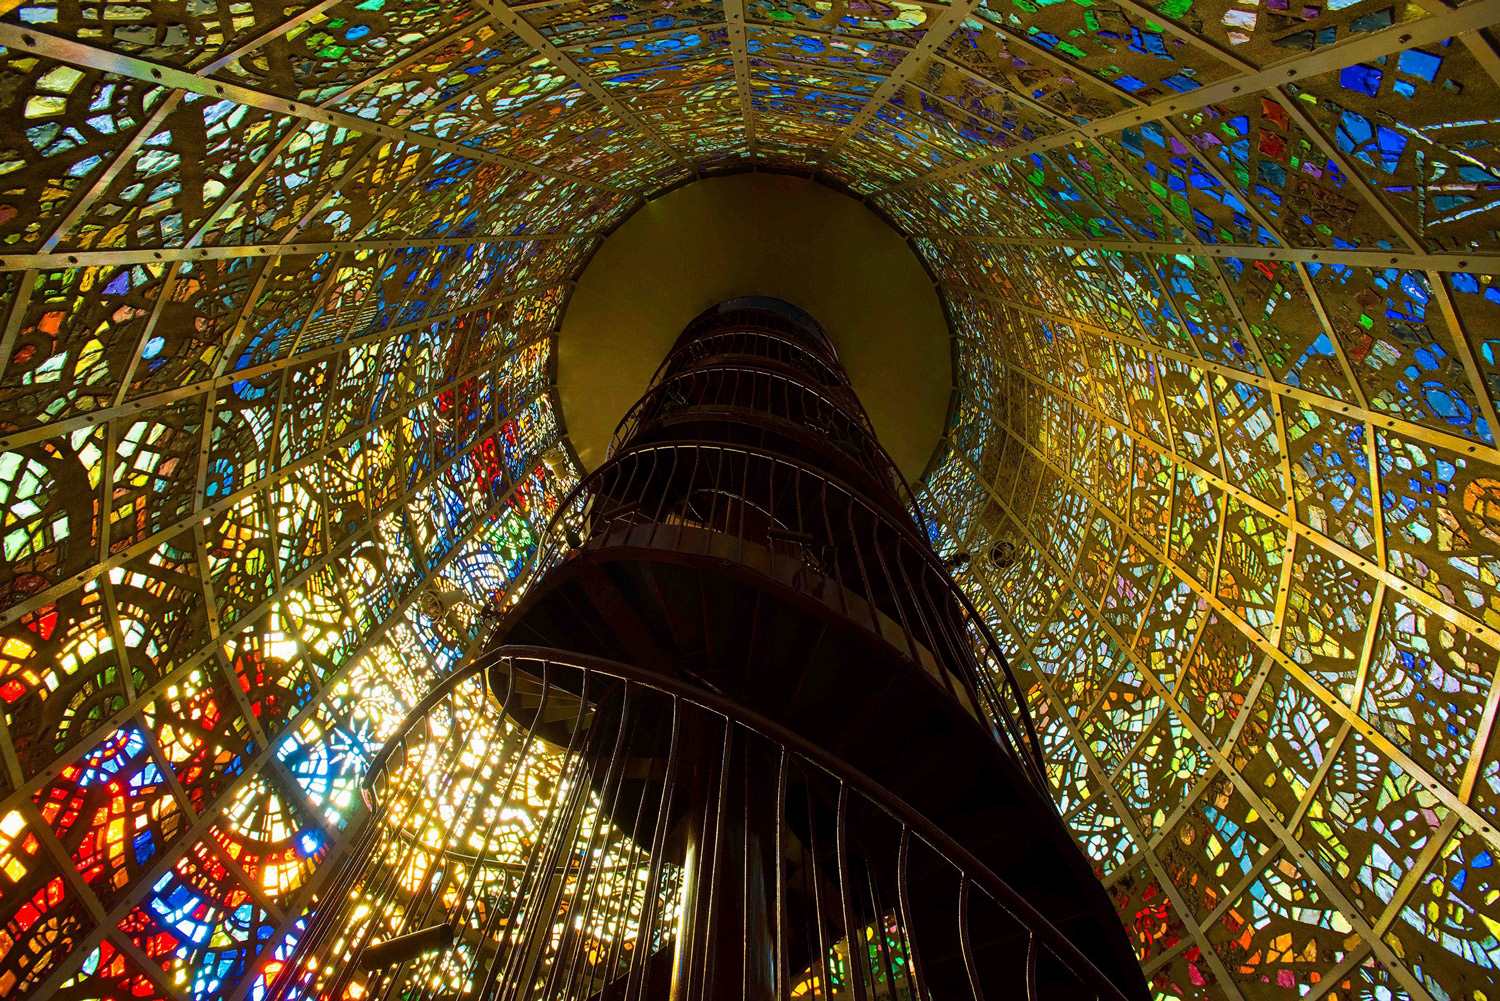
{"points": [[778, 402], [830, 409], [580, 852], [754, 319], [823, 412], [764, 511], [761, 344]]}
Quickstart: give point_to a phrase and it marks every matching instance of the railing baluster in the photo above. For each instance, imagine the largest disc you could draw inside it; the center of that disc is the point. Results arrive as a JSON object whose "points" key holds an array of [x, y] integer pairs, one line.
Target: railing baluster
{"points": [[782, 962], [646, 929], [903, 908], [853, 940], [965, 946], [1031, 963]]}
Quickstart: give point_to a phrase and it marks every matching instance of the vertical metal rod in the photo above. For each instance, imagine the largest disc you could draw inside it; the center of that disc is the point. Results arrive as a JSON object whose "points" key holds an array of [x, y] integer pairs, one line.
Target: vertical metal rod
{"points": [[391, 875], [781, 956], [903, 908], [881, 925], [610, 794], [864, 573], [646, 929], [835, 556], [509, 741], [739, 533], [854, 941], [496, 722], [711, 947], [745, 957], [671, 484], [328, 910], [573, 930], [890, 581], [561, 831], [632, 865], [688, 943], [953, 654], [494, 970], [1031, 963], [718, 496], [965, 946], [824, 965], [562, 836]]}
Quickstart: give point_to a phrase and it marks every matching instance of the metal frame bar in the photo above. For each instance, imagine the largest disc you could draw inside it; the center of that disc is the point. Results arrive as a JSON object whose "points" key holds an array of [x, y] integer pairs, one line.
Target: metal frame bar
{"points": [[1364, 48], [211, 649], [253, 770], [206, 511], [523, 28], [739, 47], [91, 57], [1091, 761], [1374, 418], [1305, 864], [1465, 22], [1330, 700], [90, 258], [1408, 260], [939, 30]]}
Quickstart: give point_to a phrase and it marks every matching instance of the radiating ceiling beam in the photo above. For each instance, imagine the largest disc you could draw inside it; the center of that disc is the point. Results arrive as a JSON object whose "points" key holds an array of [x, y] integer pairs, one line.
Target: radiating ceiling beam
{"points": [[1344, 408], [1484, 263], [616, 41], [739, 47], [1315, 298], [1340, 552], [125, 155], [208, 511], [1352, 719], [800, 29], [464, 30], [1478, 44], [1060, 708], [935, 37], [1407, 234], [101, 729], [265, 37], [122, 159], [565, 64], [92, 258], [1295, 850], [1364, 48], [158, 74], [255, 767], [272, 155], [482, 82], [1190, 38]]}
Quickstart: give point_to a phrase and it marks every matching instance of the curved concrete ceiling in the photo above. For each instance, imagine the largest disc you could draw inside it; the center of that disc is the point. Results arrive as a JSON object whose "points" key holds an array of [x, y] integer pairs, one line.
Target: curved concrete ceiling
{"points": [[757, 234]]}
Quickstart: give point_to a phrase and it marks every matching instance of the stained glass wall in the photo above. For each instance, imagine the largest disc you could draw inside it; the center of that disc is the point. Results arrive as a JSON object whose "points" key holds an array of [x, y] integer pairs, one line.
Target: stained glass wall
{"points": [[276, 429]]}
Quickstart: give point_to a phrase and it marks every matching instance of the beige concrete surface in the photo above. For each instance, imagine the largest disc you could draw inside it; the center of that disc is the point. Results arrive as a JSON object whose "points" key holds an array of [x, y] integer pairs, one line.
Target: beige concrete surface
{"points": [[757, 234]]}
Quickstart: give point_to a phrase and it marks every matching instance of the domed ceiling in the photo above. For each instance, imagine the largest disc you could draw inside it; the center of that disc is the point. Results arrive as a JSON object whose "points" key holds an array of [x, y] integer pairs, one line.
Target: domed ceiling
{"points": [[789, 238], [280, 283]]}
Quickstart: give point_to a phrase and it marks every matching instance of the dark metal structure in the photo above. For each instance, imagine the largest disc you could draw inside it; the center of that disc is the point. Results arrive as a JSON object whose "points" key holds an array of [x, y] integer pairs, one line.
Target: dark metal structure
{"points": [[762, 746]]}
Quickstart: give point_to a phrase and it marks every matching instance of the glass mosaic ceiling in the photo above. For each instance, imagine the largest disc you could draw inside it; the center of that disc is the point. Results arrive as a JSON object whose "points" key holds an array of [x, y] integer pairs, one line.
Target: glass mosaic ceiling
{"points": [[277, 433]]}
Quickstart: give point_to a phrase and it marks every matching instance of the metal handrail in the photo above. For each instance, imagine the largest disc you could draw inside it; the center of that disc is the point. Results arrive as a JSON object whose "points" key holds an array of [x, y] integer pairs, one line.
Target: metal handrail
{"points": [[855, 439], [576, 670], [870, 448], [1011, 722], [847, 409], [694, 352]]}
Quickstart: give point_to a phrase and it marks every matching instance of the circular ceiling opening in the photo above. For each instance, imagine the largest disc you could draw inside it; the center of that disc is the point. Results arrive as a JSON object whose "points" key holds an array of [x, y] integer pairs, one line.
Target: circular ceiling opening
{"points": [[755, 234]]}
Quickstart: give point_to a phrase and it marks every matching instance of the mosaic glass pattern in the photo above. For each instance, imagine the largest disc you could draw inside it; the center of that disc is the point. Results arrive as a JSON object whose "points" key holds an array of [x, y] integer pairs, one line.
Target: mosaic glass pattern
{"points": [[277, 438]]}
